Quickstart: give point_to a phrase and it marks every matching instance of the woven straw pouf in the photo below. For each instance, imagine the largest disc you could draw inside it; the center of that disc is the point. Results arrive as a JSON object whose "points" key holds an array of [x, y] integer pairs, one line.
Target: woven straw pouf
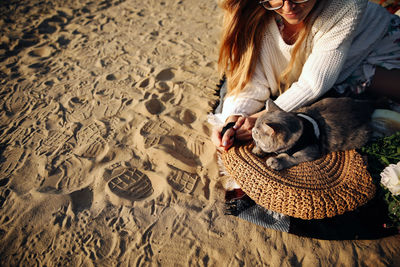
{"points": [[330, 186]]}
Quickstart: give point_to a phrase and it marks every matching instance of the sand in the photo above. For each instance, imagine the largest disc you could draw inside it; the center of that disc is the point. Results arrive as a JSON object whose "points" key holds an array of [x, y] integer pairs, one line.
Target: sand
{"points": [[105, 151]]}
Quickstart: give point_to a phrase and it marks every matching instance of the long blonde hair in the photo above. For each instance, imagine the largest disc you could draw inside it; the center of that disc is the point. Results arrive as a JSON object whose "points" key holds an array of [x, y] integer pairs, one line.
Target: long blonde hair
{"points": [[243, 31]]}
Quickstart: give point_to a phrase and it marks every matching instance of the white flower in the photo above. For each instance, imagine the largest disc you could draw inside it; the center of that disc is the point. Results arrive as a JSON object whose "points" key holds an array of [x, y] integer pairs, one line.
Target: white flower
{"points": [[390, 178]]}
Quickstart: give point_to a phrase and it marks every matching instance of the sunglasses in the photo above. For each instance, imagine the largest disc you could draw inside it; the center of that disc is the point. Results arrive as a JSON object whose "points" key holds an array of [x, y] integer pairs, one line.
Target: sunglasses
{"points": [[277, 4]]}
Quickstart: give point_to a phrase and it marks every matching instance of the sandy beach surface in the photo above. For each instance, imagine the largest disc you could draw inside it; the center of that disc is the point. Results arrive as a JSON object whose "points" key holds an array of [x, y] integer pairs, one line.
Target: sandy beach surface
{"points": [[105, 157]]}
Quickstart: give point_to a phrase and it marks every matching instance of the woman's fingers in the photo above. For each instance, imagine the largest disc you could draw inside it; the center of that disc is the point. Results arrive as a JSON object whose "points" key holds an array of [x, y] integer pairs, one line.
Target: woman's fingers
{"points": [[216, 137], [237, 127], [227, 127], [239, 122], [228, 138], [244, 132]]}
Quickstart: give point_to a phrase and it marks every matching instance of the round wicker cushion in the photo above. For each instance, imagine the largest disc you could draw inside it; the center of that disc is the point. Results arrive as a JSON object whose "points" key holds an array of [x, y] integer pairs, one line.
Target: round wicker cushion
{"points": [[326, 187]]}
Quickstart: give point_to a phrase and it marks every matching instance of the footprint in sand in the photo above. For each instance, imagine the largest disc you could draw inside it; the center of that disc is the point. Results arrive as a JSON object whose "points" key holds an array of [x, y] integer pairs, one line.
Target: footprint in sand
{"points": [[68, 176], [95, 245], [138, 72], [168, 97], [98, 245], [159, 127], [152, 132], [196, 143], [17, 103], [43, 110], [116, 224], [63, 42], [146, 83], [53, 143], [94, 149], [51, 25], [106, 107], [183, 116], [30, 37], [154, 106], [131, 184], [165, 75], [182, 181], [152, 140], [39, 68], [177, 147], [168, 253], [81, 200], [4, 196], [25, 41], [23, 136], [91, 143], [11, 160], [90, 132], [42, 52], [187, 116], [79, 109], [174, 151], [184, 153], [62, 218], [106, 103], [164, 86], [111, 77]]}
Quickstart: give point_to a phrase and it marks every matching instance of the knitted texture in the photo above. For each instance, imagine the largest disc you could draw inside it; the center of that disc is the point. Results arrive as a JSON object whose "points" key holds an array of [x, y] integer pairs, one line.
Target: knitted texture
{"points": [[330, 186]]}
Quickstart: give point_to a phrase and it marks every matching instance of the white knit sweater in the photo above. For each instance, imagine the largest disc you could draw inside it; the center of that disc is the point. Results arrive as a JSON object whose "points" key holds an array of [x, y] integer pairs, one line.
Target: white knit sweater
{"points": [[342, 36]]}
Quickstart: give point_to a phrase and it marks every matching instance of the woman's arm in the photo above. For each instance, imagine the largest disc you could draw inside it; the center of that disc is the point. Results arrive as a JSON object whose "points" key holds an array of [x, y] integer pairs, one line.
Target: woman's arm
{"points": [[319, 74], [242, 109], [333, 32]]}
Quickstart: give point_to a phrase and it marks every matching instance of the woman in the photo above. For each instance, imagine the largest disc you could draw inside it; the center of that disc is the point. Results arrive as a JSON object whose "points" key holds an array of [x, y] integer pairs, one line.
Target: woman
{"points": [[295, 51]]}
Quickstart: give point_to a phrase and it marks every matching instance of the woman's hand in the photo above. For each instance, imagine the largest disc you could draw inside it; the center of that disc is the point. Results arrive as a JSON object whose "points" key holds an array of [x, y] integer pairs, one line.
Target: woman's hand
{"points": [[244, 129], [226, 140], [241, 130]]}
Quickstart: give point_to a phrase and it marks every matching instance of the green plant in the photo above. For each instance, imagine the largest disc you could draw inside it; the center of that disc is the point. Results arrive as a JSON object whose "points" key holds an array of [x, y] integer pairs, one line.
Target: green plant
{"points": [[382, 153]]}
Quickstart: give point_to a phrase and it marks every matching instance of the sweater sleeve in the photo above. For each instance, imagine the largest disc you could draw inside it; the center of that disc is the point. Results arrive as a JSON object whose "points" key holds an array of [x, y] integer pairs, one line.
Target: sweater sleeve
{"points": [[251, 99], [248, 102], [333, 32]]}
